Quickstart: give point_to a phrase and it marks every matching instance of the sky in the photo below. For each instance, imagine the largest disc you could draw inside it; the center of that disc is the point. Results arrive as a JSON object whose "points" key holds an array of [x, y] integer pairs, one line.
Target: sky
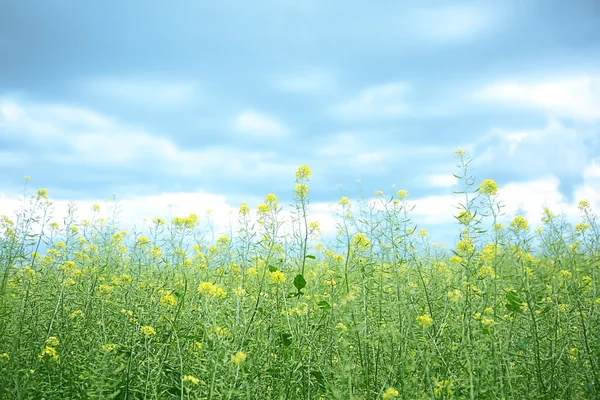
{"points": [[193, 105]]}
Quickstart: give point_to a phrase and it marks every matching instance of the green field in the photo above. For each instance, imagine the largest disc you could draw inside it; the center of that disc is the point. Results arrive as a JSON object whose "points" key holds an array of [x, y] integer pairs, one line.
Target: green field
{"points": [[272, 311]]}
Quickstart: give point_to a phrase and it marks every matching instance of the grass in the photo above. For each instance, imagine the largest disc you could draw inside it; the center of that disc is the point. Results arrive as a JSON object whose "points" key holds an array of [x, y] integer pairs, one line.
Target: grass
{"points": [[269, 312]]}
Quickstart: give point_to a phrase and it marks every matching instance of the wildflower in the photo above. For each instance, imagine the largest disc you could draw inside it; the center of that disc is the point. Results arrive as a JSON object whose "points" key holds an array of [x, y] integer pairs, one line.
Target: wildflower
{"points": [[52, 341], [444, 387], [424, 320], [106, 289], [77, 314], [361, 241], [583, 205], [342, 327], [238, 358], [142, 241], [460, 152], [277, 277], [581, 227], [455, 295], [5, 356], [211, 289], [168, 300], [303, 173], [563, 273], [42, 194], [464, 217], [422, 233], [314, 226], [390, 393], [573, 353], [301, 191], [244, 209], [465, 246], [109, 347], [519, 224], [148, 330], [50, 352], [344, 201], [192, 379], [158, 221], [252, 271], [488, 187], [402, 194], [27, 178], [378, 193], [271, 201], [487, 322]]}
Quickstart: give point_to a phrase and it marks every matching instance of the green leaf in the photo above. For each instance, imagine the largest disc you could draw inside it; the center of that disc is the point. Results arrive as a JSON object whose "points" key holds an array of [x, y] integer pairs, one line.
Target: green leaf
{"points": [[272, 268], [299, 282], [286, 338], [323, 305], [514, 302], [311, 257]]}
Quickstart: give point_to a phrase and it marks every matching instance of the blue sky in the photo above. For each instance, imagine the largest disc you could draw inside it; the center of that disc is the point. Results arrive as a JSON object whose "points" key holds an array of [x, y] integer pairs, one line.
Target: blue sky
{"points": [[201, 105]]}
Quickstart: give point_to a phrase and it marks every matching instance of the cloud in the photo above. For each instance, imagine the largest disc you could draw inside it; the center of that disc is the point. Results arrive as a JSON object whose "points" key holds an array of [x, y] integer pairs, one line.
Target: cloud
{"points": [[575, 97], [258, 124], [556, 149], [383, 101], [147, 92], [439, 180]]}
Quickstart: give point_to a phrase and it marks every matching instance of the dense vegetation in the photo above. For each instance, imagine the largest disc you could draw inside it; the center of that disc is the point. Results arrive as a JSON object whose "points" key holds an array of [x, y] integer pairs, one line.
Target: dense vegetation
{"points": [[268, 311]]}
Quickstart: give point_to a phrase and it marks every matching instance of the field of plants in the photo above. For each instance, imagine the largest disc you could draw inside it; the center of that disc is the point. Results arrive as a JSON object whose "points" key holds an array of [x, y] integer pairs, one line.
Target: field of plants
{"points": [[273, 310]]}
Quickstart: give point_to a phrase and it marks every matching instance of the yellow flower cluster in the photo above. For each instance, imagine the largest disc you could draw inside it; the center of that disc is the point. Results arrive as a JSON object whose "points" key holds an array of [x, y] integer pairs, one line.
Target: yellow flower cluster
{"points": [[277, 277], [424, 320], [390, 393], [147, 330], [238, 358], [210, 289], [488, 187]]}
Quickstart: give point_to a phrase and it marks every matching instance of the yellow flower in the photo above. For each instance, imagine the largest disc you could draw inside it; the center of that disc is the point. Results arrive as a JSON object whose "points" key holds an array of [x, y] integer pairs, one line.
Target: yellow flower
{"points": [[460, 152], [168, 300], [77, 313], [455, 295], [583, 205], [211, 289], [5, 356], [519, 224], [238, 358], [192, 379], [277, 277], [361, 241], [301, 191], [488, 187], [252, 271], [390, 393], [50, 352], [402, 194], [109, 347], [424, 320], [244, 209], [52, 341], [42, 194], [303, 173], [148, 330], [344, 201], [106, 289]]}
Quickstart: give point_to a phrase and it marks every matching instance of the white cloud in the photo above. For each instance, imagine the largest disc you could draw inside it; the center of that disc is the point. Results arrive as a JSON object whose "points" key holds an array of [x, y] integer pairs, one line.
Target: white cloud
{"points": [[258, 125], [575, 97], [148, 92], [439, 180], [78, 137], [383, 101]]}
